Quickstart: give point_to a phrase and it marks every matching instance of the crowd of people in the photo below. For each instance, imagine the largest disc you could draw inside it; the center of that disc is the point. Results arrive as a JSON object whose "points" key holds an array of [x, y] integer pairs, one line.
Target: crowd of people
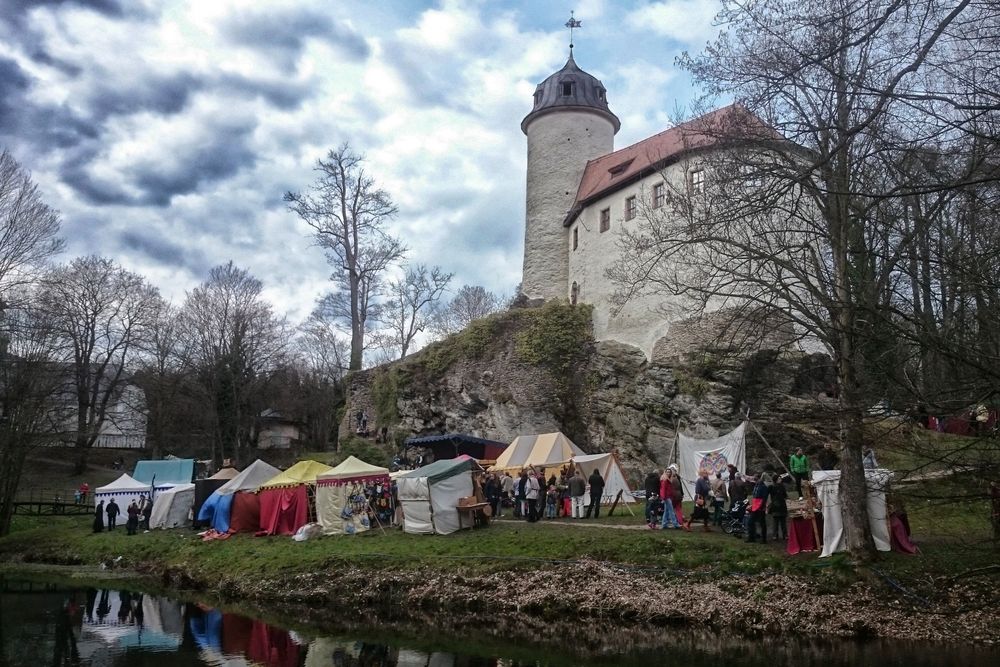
{"points": [[532, 497], [137, 515]]}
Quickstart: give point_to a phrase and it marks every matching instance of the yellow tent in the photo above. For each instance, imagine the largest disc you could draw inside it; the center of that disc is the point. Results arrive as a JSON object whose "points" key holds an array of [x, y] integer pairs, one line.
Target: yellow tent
{"points": [[539, 451], [303, 472]]}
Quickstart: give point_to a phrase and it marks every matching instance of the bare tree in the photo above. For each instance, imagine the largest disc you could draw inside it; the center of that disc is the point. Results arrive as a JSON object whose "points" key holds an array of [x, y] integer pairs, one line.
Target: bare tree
{"points": [[101, 315], [348, 213], [471, 302], [29, 228], [409, 304], [233, 341], [31, 385], [796, 214], [322, 355], [161, 374]]}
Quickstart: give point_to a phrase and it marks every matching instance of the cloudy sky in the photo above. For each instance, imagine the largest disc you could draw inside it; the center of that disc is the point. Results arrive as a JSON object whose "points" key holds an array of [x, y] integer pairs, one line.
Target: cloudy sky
{"points": [[167, 131]]}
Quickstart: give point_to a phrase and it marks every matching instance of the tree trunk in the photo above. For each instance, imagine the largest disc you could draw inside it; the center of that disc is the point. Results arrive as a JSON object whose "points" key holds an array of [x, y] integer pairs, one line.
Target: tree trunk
{"points": [[357, 326]]}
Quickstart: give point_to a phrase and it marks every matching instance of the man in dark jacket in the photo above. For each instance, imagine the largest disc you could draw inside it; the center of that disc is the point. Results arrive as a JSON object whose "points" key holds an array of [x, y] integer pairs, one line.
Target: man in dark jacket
{"points": [[596, 491], [112, 510], [652, 486]]}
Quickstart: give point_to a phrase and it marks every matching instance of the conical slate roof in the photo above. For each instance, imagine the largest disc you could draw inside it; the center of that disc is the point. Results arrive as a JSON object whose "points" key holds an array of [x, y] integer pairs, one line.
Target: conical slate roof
{"points": [[570, 89]]}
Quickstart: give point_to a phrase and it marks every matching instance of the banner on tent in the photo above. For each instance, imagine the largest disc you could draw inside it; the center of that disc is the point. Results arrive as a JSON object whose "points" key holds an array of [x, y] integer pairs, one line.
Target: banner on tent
{"points": [[713, 455]]}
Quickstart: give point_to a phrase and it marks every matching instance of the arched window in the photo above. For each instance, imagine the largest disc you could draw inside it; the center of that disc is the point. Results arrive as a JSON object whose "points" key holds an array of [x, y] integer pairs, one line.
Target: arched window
{"points": [[574, 293]]}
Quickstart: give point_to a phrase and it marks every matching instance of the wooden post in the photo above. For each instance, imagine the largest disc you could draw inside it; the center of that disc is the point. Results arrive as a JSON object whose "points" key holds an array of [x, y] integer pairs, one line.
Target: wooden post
{"points": [[611, 512], [614, 454]]}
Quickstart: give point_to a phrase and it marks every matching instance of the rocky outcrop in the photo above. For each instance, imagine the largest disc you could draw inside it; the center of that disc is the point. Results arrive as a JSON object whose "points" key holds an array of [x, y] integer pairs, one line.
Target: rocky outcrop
{"points": [[539, 370]]}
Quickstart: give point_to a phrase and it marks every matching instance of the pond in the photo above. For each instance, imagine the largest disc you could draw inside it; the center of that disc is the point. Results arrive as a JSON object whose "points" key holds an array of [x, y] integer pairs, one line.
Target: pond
{"points": [[45, 623]]}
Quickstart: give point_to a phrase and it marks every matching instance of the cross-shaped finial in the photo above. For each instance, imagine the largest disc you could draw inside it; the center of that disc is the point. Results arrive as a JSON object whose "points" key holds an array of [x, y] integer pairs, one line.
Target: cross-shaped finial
{"points": [[572, 24]]}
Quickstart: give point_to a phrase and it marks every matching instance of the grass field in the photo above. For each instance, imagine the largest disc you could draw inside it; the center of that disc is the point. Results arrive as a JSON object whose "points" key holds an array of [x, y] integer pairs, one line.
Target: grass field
{"points": [[953, 536]]}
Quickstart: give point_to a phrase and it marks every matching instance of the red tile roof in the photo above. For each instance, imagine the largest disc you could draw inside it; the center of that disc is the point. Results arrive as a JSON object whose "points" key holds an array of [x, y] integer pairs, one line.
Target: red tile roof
{"points": [[610, 172]]}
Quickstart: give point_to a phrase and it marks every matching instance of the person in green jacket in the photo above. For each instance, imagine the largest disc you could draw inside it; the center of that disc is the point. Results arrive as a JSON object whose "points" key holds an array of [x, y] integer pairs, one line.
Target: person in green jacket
{"points": [[798, 464]]}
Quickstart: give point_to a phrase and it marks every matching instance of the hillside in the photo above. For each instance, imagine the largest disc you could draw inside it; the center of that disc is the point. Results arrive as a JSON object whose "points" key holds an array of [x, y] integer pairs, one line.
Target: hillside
{"points": [[536, 370]]}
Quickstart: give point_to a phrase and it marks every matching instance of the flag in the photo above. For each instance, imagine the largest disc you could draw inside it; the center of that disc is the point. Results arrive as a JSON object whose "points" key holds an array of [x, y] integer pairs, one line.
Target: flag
{"points": [[573, 23]]}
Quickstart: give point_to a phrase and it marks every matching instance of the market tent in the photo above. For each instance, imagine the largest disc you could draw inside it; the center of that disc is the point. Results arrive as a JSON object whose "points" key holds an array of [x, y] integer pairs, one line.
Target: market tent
{"points": [[172, 507], [538, 451], [429, 495], [284, 499], [167, 472], [611, 471], [713, 455], [203, 488], [343, 494], [235, 505], [124, 490], [450, 445], [827, 484]]}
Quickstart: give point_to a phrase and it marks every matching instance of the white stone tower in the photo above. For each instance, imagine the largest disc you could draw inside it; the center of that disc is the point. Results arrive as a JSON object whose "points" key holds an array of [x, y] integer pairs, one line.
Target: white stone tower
{"points": [[569, 124]]}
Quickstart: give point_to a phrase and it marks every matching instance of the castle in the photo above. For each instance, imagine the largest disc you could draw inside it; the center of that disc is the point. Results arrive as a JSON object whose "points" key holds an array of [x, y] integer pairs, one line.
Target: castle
{"points": [[580, 194]]}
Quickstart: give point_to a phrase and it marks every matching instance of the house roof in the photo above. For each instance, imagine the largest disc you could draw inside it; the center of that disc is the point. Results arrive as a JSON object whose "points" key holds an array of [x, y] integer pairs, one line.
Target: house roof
{"points": [[608, 173]]}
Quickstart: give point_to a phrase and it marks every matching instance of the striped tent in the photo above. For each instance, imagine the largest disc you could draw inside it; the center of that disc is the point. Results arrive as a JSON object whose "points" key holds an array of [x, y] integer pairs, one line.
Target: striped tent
{"points": [[539, 451]]}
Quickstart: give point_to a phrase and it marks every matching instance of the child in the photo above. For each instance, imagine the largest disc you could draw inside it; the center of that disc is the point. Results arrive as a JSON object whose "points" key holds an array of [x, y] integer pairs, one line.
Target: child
{"points": [[551, 497], [653, 507]]}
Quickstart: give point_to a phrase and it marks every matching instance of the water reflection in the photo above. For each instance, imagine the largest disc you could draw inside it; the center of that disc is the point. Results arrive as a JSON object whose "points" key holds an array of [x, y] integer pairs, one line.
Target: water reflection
{"points": [[46, 624]]}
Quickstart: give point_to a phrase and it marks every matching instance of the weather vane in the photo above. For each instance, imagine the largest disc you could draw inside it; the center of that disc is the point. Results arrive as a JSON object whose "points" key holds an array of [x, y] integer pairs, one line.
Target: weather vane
{"points": [[572, 24]]}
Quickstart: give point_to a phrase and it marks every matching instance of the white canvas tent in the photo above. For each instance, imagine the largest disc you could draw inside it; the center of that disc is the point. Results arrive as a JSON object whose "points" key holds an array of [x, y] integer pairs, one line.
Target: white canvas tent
{"points": [[172, 507], [429, 495], [611, 471], [538, 451], [334, 490], [713, 455], [124, 490], [827, 484]]}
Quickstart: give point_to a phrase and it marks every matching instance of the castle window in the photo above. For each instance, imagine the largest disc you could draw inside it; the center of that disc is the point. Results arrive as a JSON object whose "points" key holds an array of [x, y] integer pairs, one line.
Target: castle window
{"points": [[567, 88], [600, 93], [696, 181], [574, 293], [659, 195], [605, 220], [630, 208], [620, 168], [576, 237]]}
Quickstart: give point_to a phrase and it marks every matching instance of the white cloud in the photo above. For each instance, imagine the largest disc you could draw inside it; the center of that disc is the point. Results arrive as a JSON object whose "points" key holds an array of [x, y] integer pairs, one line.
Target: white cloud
{"points": [[685, 21]]}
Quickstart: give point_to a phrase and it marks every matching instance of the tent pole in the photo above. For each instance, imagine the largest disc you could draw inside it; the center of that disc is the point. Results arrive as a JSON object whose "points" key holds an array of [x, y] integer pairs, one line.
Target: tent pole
{"points": [[614, 455], [769, 448]]}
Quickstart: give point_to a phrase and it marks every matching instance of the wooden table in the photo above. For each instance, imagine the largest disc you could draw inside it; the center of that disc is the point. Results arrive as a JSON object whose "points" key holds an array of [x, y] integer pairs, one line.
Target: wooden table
{"points": [[471, 511]]}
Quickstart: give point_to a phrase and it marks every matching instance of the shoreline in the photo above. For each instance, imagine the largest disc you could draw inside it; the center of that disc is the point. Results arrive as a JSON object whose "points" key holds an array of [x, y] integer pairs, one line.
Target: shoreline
{"points": [[624, 597]]}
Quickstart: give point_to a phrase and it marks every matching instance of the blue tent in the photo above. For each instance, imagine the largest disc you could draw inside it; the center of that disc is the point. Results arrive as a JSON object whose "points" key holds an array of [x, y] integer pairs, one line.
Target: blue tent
{"points": [[169, 471], [217, 509]]}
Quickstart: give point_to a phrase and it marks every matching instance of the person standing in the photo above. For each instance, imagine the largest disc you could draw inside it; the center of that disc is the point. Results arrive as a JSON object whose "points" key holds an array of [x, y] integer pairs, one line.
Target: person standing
{"points": [[677, 493], [778, 509], [531, 491], [145, 512], [84, 492], [520, 501], [719, 498], [758, 507], [551, 500], [99, 518], [869, 461], [132, 523], [798, 464], [596, 492], [700, 512], [652, 487], [112, 510], [577, 489], [667, 494], [507, 487], [492, 491]]}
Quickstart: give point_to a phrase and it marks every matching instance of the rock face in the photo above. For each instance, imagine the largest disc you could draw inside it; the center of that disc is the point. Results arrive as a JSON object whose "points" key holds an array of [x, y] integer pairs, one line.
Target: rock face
{"points": [[538, 370]]}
